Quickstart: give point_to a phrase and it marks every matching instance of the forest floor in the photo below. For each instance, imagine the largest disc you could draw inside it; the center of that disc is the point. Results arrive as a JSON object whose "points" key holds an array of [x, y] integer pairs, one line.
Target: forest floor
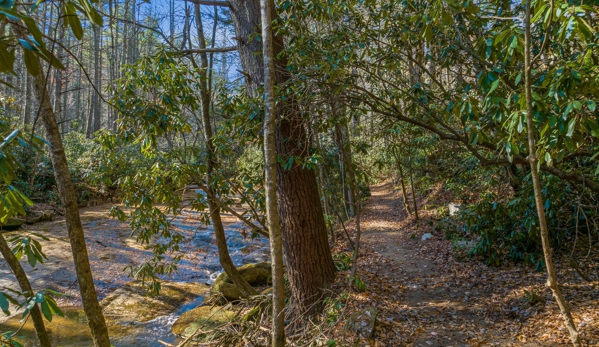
{"points": [[427, 296]]}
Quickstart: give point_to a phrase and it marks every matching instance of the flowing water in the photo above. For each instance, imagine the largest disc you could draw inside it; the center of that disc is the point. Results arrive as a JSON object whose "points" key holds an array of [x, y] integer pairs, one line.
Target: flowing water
{"points": [[111, 249]]}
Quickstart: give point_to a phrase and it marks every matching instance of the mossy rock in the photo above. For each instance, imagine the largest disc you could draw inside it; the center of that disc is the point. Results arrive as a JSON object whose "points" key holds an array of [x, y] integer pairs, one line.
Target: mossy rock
{"points": [[204, 317], [256, 275]]}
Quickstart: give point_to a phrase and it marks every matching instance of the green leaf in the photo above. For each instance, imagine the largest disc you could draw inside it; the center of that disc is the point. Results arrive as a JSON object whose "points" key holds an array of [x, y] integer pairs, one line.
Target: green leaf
{"points": [[571, 127], [46, 311], [4, 305], [518, 78], [31, 62], [493, 86], [28, 46]]}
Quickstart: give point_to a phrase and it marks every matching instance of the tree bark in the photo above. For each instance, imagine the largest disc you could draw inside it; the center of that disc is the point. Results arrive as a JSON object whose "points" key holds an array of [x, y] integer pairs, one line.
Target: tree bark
{"points": [[213, 205], [17, 269], [95, 97], [310, 266], [412, 184], [270, 177], [68, 196], [536, 182]]}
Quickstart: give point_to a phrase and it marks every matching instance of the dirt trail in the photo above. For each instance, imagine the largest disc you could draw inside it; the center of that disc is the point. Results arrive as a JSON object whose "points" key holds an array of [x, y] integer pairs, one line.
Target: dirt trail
{"points": [[427, 298]]}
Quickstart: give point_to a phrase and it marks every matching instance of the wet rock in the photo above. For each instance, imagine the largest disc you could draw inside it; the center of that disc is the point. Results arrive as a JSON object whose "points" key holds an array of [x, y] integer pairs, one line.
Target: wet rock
{"points": [[203, 317], [427, 236], [12, 224], [131, 304], [257, 274], [362, 322]]}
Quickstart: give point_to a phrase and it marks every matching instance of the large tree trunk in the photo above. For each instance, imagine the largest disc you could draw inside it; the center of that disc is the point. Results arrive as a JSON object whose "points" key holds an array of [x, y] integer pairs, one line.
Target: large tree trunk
{"points": [[17, 269], [310, 265], [68, 196]]}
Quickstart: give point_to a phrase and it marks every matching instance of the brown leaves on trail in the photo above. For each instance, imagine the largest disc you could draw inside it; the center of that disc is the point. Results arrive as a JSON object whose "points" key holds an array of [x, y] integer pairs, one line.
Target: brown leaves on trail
{"points": [[426, 297]]}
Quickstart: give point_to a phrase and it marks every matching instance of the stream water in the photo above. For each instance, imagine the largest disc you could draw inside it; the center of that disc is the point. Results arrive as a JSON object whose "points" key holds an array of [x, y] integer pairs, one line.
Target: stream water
{"points": [[111, 249]]}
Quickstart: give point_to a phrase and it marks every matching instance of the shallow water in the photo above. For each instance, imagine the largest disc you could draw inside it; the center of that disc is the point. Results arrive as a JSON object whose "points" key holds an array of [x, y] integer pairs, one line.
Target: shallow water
{"points": [[111, 249]]}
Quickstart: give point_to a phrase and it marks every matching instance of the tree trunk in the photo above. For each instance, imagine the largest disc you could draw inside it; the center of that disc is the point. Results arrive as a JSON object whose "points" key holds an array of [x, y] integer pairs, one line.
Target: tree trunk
{"points": [[402, 182], [412, 184], [213, 205], [270, 177], [310, 265], [95, 96], [17, 269], [536, 182], [27, 108], [68, 196]]}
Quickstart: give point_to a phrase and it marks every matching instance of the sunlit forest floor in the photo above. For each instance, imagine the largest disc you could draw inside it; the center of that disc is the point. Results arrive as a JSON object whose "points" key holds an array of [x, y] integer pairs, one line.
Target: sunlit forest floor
{"points": [[427, 295]]}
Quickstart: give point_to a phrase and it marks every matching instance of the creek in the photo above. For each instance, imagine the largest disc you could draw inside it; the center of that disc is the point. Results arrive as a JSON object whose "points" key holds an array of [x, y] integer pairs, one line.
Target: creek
{"points": [[133, 318]]}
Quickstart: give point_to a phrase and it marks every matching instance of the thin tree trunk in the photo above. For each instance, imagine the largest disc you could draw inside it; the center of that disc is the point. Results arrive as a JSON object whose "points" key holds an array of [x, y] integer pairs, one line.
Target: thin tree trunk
{"points": [[536, 182], [412, 184], [68, 196], [403, 184], [270, 177], [17, 269], [219, 230], [95, 97], [27, 108]]}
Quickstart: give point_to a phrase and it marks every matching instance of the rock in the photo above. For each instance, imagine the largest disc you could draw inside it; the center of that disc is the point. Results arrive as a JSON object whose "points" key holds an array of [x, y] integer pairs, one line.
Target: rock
{"points": [[12, 224], [257, 274], [453, 209], [466, 244], [131, 304], [40, 216], [206, 317], [427, 236], [362, 322]]}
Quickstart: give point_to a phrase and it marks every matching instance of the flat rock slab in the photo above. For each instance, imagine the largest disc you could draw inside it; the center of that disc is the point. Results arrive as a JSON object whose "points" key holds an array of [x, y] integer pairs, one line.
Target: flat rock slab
{"points": [[131, 304]]}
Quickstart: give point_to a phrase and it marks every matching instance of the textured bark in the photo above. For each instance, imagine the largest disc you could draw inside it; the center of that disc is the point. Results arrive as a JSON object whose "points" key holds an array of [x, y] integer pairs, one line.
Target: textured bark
{"points": [[536, 182], [17, 269], [270, 177], [309, 262], [68, 196], [213, 205]]}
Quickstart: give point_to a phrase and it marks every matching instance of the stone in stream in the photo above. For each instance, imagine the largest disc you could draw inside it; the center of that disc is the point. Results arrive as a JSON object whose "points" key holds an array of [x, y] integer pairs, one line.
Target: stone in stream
{"points": [[203, 317], [256, 275]]}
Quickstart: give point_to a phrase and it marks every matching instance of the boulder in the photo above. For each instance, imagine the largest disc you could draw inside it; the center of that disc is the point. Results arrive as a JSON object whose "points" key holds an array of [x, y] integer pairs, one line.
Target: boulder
{"points": [[204, 317], [40, 216], [256, 275], [362, 322], [12, 224]]}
